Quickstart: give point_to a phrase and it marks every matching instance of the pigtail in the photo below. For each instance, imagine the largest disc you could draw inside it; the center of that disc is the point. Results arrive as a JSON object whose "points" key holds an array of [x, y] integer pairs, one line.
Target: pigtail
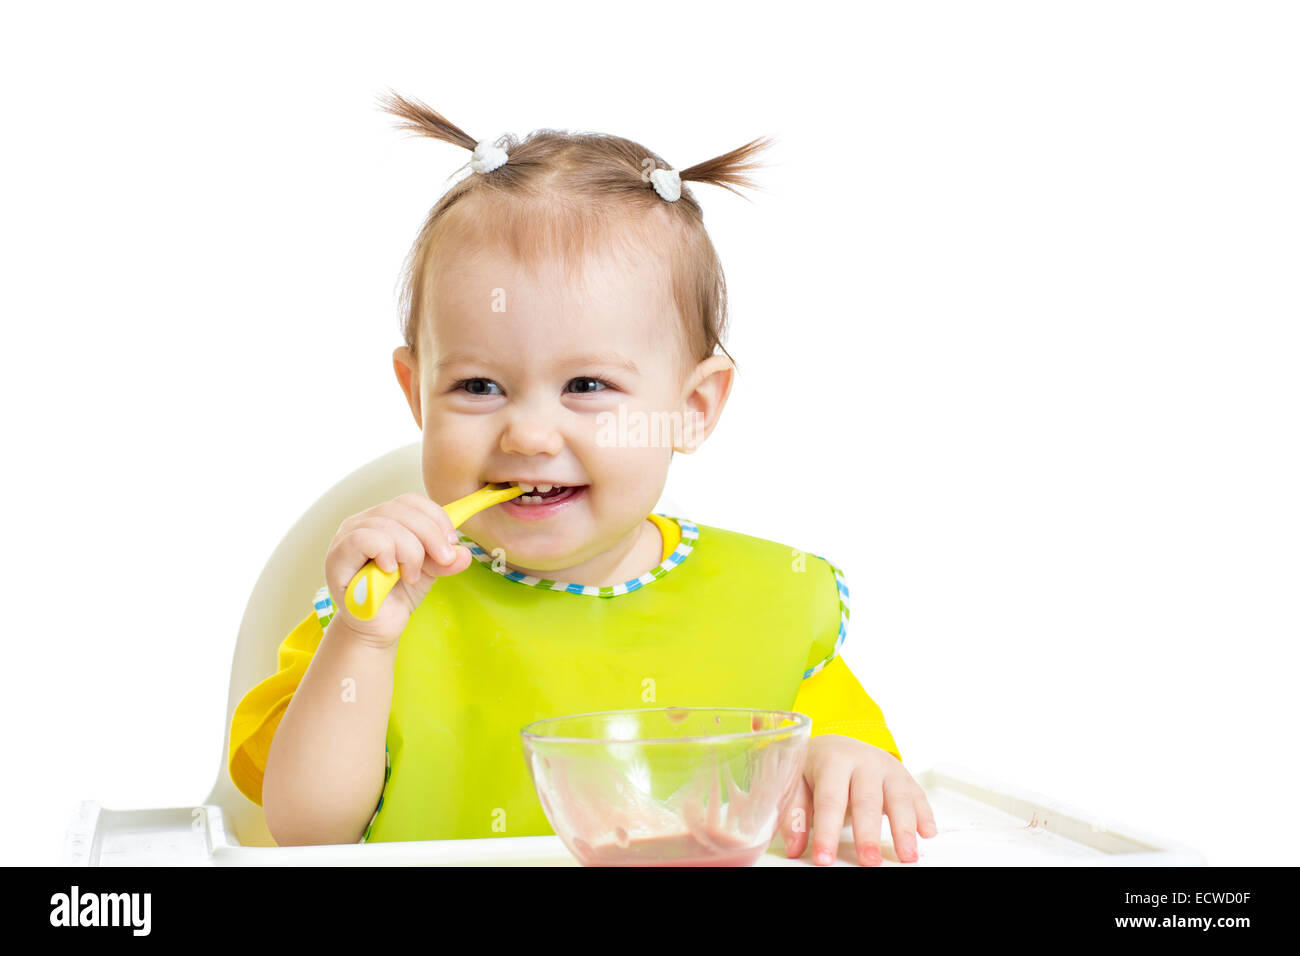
{"points": [[424, 121], [729, 168]]}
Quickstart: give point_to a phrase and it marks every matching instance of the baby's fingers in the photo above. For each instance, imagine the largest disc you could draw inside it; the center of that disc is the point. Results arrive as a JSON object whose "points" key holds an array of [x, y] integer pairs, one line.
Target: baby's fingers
{"points": [[830, 799], [354, 550], [461, 559], [900, 803], [430, 526], [795, 827], [925, 824], [407, 546], [866, 800]]}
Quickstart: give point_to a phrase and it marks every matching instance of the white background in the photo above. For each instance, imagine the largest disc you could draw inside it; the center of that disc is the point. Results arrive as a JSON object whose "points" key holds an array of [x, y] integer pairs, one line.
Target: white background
{"points": [[1015, 313]]}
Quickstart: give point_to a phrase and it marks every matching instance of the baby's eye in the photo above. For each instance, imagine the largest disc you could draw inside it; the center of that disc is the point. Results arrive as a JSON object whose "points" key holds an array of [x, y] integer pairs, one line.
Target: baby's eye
{"points": [[587, 378], [475, 381]]}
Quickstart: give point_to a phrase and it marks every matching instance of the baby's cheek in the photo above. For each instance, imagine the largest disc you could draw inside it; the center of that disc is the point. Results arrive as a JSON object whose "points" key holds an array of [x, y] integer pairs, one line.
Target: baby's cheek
{"points": [[637, 473], [454, 451]]}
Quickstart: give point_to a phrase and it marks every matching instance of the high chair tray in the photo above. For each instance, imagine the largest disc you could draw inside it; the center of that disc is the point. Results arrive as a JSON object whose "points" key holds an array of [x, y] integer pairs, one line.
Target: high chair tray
{"points": [[981, 823]]}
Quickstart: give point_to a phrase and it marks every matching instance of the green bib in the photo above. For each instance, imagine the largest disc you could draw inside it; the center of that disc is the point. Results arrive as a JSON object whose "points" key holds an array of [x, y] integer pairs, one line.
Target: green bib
{"points": [[728, 620]]}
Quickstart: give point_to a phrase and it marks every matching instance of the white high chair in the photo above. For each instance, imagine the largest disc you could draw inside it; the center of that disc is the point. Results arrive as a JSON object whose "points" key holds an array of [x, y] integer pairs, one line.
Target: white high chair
{"points": [[280, 600], [229, 829]]}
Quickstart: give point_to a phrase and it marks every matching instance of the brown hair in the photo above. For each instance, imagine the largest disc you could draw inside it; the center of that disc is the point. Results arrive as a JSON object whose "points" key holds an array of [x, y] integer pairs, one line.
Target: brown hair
{"points": [[560, 191]]}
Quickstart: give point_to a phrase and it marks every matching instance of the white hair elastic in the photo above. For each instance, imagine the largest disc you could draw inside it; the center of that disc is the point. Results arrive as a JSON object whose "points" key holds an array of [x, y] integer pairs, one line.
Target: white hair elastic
{"points": [[487, 157], [667, 183]]}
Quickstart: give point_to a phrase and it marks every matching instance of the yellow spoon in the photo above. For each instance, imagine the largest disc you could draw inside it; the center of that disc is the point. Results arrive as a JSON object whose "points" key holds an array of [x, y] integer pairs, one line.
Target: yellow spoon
{"points": [[371, 584]]}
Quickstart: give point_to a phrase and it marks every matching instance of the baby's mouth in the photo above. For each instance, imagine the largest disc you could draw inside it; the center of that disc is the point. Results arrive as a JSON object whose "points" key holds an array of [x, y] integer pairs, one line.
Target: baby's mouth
{"points": [[541, 494]]}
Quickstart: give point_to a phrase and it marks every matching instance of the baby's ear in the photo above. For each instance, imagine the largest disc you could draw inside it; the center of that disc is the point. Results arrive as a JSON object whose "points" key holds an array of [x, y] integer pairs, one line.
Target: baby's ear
{"points": [[408, 376]]}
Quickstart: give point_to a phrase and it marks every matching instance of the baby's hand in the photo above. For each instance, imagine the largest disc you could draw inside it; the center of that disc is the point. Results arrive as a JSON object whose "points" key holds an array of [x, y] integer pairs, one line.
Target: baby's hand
{"points": [[410, 532], [840, 771]]}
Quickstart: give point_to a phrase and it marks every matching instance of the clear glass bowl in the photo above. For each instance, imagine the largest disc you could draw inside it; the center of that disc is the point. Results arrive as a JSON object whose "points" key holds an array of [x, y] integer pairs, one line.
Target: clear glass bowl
{"points": [[674, 786]]}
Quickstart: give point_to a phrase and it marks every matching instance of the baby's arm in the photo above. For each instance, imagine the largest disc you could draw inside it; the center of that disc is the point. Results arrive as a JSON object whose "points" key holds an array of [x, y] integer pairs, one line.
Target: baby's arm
{"points": [[325, 768]]}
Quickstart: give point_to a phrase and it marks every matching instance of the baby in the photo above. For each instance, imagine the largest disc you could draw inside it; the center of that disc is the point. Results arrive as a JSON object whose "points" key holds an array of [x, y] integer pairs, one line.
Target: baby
{"points": [[563, 305]]}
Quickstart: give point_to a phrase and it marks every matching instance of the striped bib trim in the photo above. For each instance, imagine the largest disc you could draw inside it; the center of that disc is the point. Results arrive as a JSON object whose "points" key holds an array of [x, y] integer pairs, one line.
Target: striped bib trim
{"points": [[844, 617], [690, 534]]}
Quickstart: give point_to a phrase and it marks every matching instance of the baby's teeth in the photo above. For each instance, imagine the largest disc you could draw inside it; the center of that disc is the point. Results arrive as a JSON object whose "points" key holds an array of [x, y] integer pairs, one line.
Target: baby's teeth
{"points": [[533, 499]]}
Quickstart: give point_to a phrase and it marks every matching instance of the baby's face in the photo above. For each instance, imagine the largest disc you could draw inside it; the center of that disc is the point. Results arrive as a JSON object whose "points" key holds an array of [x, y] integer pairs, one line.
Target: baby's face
{"points": [[514, 374]]}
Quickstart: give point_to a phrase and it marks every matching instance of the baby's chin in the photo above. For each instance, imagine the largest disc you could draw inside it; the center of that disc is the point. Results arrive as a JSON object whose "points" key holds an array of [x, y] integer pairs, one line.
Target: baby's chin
{"points": [[537, 549], [548, 552], [535, 555]]}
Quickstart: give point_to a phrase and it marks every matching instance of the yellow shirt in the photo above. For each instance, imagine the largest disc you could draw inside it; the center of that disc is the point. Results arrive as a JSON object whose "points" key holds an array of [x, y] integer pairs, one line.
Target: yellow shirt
{"points": [[829, 694]]}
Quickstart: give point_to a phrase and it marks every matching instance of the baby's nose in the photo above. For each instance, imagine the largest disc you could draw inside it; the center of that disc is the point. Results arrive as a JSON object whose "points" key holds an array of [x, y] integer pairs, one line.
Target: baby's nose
{"points": [[531, 435]]}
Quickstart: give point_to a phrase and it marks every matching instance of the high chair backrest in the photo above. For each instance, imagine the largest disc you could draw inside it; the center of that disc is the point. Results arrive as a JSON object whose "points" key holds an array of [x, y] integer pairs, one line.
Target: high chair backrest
{"points": [[283, 596]]}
